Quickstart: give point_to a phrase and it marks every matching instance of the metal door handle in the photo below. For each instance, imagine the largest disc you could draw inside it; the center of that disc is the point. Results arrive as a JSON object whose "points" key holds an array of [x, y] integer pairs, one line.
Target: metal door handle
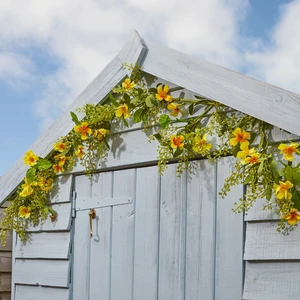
{"points": [[92, 215]]}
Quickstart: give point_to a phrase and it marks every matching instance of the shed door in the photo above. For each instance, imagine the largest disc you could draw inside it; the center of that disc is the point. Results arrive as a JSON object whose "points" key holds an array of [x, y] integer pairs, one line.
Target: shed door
{"points": [[164, 238]]}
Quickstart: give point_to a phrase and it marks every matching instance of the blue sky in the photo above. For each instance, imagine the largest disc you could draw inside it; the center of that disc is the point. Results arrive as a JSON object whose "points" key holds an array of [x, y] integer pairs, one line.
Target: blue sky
{"points": [[49, 54]]}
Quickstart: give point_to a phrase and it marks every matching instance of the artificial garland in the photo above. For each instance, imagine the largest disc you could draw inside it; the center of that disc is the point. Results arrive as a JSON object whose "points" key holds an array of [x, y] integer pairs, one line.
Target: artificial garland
{"points": [[181, 134]]}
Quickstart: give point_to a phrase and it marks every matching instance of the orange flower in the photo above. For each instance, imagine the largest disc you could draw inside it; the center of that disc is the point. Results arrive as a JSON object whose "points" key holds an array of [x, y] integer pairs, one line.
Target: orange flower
{"points": [[101, 133], [61, 159], [281, 190], [288, 150], [57, 168], [177, 141], [83, 129], [79, 152], [30, 158], [162, 93], [175, 108], [293, 217], [60, 147], [24, 212], [122, 110], [128, 84], [240, 137], [252, 159]]}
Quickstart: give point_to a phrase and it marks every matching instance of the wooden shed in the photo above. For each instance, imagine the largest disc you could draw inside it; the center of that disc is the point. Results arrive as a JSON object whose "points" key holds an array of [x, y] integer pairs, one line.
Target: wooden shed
{"points": [[158, 237]]}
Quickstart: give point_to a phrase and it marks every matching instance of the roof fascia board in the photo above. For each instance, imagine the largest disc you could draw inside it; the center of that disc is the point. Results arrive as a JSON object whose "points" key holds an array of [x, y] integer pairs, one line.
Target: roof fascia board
{"points": [[264, 101], [133, 52]]}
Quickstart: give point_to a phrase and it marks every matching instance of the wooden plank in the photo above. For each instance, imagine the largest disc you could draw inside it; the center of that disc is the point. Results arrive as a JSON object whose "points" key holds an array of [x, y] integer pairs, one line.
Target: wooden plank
{"points": [[123, 218], [42, 272], [5, 296], [100, 202], [62, 223], [8, 246], [263, 242], [5, 282], [261, 100], [62, 189], [172, 235], [200, 232], [146, 234], [272, 280], [100, 254], [45, 245], [132, 52], [24, 292], [5, 262], [229, 238]]}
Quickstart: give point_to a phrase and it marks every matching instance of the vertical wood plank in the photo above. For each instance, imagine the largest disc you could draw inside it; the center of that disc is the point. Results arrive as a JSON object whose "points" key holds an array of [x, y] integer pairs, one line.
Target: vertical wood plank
{"points": [[146, 234], [81, 243], [229, 238], [200, 245], [123, 237], [101, 242], [172, 235]]}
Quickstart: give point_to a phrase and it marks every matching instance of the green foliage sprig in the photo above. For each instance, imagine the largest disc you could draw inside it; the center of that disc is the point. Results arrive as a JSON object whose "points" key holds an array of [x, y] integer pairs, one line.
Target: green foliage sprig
{"points": [[184, 129]]}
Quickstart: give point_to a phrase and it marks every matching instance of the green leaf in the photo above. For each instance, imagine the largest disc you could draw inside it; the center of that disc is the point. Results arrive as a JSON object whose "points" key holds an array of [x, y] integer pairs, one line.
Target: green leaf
{"points": [[177, 152], [153, 90], [43, 164], [75, 118], [292, 174], [149, 101], [125, 122], [296, 199], [157, 136], [247, 179], [137, 117], [260, 168], [191, 109], [269, 194], [236, 149], [64, 152], [126, 98], [113, 100], [135, 100], [154, 101], [30, 174], [164, 121]]}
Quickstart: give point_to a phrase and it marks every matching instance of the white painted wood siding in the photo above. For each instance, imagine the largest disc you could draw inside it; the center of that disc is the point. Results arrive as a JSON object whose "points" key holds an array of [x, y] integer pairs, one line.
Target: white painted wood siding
{"points": [[42, 266]]}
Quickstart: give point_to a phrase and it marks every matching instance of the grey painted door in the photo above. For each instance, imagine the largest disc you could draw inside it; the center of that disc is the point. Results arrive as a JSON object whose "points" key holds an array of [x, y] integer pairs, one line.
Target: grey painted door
{"points": [[164, 238]]}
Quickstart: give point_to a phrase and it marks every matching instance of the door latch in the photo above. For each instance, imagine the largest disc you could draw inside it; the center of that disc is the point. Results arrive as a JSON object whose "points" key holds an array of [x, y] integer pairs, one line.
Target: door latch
{"points": [[92, 215]]}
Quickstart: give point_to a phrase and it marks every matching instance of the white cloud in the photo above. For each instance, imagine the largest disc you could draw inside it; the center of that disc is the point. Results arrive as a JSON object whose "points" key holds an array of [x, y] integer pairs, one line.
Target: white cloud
{"points": [[84, 36], [279, 61]]}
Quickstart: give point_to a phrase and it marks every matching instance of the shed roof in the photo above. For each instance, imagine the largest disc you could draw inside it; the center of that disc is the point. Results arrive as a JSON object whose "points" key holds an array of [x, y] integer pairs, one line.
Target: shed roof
{"points": [[264, 101]]}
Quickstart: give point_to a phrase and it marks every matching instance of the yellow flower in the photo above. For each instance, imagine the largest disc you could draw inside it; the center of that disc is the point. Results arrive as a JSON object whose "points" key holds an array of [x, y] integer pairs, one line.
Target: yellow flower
{"points": [[27, 189], [83, 129], [177, 141], [200, 144], [162, 93], [60, 147], [57, 168], [281, 190], [24, 212], [45, 184], [79, 152], [292, 217], [252, 159], [175, 109], [288, 150], [30, 158], [240, 137], [122, 110], [128, 84], [61, 159], [101, 133]]}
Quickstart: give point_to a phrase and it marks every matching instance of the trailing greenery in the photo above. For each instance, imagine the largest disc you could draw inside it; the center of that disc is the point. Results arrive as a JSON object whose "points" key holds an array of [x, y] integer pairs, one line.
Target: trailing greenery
{"points": [[184, 129]]}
